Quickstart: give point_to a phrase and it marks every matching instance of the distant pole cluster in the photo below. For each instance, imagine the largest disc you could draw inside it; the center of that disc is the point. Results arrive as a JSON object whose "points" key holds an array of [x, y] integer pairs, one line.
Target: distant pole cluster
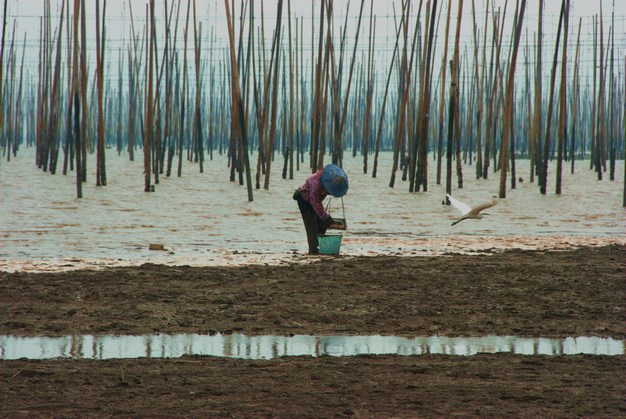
{"points": [[261, 99]]}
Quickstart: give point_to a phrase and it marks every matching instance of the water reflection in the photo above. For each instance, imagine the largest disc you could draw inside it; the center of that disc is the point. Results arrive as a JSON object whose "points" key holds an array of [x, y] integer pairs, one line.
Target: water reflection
{"points": [[267, 347]]}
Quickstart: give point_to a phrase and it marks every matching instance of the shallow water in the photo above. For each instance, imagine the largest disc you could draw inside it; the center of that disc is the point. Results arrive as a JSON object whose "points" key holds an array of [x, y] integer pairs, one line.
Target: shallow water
{"points": [[267, 347], [203, 219]]}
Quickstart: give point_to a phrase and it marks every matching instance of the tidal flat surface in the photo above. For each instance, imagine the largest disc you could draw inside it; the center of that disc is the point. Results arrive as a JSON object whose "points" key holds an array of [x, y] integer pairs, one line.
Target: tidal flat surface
{"points": [[203, 219]]}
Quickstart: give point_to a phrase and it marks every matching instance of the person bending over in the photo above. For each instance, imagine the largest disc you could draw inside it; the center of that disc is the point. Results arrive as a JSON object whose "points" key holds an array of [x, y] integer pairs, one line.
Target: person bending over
{"points": [[310, 196]]}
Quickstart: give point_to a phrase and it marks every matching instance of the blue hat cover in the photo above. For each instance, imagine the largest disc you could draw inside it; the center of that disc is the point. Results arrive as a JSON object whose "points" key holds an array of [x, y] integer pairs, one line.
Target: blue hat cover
{"points": [[335, 180]]}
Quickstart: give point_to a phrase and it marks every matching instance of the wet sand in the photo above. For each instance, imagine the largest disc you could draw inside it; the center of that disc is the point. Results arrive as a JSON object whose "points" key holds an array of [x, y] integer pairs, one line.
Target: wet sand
{"points": [[524, 293]]}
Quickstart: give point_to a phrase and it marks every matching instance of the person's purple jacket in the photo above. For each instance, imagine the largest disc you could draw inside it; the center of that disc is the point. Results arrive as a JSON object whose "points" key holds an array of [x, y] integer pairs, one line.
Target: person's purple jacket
{"points": [[313, 193]]}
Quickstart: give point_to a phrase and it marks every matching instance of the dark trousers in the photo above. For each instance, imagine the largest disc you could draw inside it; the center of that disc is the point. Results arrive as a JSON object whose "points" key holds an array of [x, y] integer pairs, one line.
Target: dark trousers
{"points": [[312, 223]]}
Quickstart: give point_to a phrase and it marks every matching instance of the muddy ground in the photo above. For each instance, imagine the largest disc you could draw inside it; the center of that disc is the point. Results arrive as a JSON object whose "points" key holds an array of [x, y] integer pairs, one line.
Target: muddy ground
{"points": [[523, 293]]}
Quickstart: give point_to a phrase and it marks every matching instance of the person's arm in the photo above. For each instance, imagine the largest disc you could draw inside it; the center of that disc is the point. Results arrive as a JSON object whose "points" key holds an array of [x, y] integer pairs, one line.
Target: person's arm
{"points": [[316, 203]]}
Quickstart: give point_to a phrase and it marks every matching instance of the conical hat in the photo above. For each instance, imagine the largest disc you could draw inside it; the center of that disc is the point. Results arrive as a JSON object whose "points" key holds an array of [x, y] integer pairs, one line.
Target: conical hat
{"points": [[335, 180]]}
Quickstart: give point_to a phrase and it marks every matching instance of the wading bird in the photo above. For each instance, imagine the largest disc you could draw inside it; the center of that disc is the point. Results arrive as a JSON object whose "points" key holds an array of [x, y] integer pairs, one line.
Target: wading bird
{"points": [[469, 212]]}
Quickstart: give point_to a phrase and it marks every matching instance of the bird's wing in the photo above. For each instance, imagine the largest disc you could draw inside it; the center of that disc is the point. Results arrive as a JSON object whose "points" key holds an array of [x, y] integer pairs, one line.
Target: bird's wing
{"points": [[461, 206], [486, 205]]}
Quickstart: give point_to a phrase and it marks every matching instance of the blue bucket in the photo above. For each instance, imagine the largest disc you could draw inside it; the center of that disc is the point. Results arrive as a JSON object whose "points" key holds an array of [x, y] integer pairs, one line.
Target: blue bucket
{"points": [[329, 244]]}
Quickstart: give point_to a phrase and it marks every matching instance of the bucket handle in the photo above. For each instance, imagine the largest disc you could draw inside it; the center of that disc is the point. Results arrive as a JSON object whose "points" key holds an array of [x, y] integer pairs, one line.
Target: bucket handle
{"points": [[342, 207]]}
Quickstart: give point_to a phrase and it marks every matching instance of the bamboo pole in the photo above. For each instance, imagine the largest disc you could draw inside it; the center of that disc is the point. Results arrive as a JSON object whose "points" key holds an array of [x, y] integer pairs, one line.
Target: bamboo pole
{"points": [[4, 26], [335, 75], [420, 142], [298, 109], [624, 143], [508, 114], [83, 91], [267, 78], [42, 92], [303, 99], [246, 74], [189, 106], [155, 147], [68, 144], [40, 101], [479, 145], [382, 112], [317, 94], [147, 142], [132, 97], [183, 100], [498, 88], [444, 67], [499, 92], [321, 146], [283, 145], [424, 94], [211, 128], [45, 91], [291, 95], [118, 134], [270, 144], [260, 109], [234, 143], [133, 83], [18, 106], [527, 94], [369, 91], [53, 125], [170, 51], [599, 108], [454, 106], [457, 124], [490, 96], [243, 70], [160, 139], [468, 149], [562, 104], [9, 133], [345, 103], [409, 125], [593, 147], [100, 47], [535, 144], [92, 117], [355, 110], [402, 87], [546, 145], [239, 101], [47, 83], [575, 101], [612, 131], [76, 96], [197, 124]]}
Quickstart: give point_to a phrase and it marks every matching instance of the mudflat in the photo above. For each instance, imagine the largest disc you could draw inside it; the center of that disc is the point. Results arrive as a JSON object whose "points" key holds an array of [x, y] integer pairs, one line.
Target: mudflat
{"points": [[562, 293]]}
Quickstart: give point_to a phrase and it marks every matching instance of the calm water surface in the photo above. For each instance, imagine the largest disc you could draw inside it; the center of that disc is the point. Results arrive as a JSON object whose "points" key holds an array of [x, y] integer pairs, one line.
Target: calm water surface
{"points": [[267, 347], [203, 219]]}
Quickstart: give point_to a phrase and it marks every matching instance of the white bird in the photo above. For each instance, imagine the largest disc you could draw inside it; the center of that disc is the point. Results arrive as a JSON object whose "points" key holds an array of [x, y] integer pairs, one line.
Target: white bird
{"points": [[469, 212]]}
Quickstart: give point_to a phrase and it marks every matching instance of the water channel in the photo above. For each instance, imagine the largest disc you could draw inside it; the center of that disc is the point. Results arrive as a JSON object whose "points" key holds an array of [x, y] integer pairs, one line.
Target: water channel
{"points": [[267, 347]]}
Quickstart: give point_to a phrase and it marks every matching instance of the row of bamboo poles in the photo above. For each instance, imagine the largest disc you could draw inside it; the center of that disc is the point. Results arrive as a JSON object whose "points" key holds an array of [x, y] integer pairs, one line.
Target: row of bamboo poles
{"points": [[273, 102]]}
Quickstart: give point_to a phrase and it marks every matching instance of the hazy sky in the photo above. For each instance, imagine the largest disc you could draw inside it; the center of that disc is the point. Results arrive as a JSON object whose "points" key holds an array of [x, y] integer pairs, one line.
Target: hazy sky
{"points": [[26, 16]]}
